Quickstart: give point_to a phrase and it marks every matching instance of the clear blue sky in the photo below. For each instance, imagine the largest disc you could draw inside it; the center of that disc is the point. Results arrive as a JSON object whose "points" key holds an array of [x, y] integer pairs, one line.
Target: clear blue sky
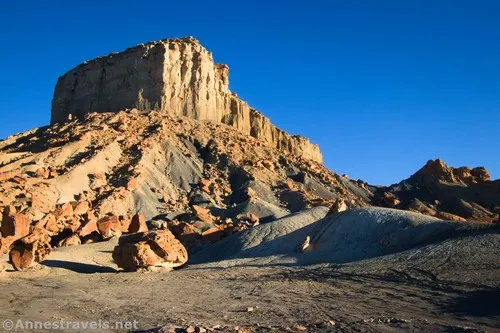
{"points": [[381, 86]]}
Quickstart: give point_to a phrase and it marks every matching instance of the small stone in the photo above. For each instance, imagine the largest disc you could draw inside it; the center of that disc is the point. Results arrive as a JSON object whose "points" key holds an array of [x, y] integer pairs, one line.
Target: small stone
{"points": [[70, 241], [299, 328], [81, 208]]}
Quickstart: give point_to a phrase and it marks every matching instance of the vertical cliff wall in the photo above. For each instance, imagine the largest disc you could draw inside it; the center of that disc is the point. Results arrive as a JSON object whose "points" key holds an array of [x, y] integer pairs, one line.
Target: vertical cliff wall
{"points": [[177, 76]]}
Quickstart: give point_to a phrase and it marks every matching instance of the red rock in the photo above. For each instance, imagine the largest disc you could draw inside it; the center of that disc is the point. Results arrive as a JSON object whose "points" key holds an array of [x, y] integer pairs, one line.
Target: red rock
{"points": [[28, 251], [148, 249], [47, 219], [53, 173], [64, 210], [81, 208], [138, 224], [40, 204], [108, 226], [3, 199], [16, 225], [70, 241], [6, 175], [132, 184], [202, 213], [72, 224], [183, 228], [124, 224], [42, 173], [19, 180], [90, 215], [52, 225], [88, 228], [5, 243], [249, 217], [100, 176], [204, 185], [213, 234]]}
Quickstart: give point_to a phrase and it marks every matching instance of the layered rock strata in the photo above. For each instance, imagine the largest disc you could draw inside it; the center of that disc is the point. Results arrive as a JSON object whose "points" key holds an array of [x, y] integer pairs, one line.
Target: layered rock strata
{"points": [[176, 76]]}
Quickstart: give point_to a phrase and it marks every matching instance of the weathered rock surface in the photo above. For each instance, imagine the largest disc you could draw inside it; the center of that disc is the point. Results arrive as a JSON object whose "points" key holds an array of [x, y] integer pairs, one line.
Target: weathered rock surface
{"points": [[455, 194], [175, 76], [149, 249], [30, 250], [138, 224]]}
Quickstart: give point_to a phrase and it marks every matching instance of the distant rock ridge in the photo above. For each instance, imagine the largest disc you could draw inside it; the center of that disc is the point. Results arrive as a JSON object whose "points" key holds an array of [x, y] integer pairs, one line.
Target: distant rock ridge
{"points": [[177, 76], [437, 170]]}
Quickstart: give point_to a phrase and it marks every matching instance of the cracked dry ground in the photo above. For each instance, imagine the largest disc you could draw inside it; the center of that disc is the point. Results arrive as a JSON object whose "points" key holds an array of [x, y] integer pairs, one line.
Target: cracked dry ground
{"points": [[282, 298]]}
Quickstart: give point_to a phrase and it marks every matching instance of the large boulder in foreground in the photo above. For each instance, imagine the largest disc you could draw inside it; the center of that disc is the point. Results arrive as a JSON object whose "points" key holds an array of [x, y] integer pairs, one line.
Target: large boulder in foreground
{"points": [[30, 250], [157, 248]]}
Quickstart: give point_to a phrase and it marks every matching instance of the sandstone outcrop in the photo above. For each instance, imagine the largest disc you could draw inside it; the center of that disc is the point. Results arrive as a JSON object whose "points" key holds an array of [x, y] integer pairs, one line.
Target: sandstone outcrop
{"points": [[176, 76], [149, 249]]}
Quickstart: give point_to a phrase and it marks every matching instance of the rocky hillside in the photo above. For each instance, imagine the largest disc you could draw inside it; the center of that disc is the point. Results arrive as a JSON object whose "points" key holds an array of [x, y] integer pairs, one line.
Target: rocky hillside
{"points": [[201, 179], [152, 139], [175, 76], [446, 192]]}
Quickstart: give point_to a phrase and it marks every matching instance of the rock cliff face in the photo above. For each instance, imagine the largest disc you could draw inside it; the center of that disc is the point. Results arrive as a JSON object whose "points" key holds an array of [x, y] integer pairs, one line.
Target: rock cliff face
{"points": [[176, 76]]}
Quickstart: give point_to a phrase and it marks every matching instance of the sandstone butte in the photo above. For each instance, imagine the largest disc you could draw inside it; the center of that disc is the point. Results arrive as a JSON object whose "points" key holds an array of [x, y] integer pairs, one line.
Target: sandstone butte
{"points": [[176, 76]]}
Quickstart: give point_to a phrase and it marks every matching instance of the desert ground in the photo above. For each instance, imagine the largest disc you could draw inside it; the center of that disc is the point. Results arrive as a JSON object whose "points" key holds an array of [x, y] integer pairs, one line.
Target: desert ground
{"points": [[437, 287]]}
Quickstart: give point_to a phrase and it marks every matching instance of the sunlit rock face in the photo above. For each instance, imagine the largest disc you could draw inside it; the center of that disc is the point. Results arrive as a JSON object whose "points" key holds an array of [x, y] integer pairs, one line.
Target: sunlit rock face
{"points": [[176, 76]]}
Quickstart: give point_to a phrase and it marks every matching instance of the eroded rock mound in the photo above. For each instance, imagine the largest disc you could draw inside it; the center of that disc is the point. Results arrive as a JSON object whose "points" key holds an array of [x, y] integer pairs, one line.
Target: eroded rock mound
{"points": [[149, 249]]}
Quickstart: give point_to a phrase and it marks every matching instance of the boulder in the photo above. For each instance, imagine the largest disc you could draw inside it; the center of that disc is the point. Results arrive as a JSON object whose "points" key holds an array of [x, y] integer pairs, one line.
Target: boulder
{"points": [[157, 248], [338, 206], [138, 224], [30, 250], [108, 226], [15, 225]]}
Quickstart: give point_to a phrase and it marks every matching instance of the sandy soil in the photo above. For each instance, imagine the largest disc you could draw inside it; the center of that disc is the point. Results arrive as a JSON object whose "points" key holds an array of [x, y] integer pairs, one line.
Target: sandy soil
{"points": [[80, 284]]}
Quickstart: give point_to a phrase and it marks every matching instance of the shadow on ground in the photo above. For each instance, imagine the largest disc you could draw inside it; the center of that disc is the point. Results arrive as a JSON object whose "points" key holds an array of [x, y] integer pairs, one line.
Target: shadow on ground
{"points": [[78, 267], [482, 303]]}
